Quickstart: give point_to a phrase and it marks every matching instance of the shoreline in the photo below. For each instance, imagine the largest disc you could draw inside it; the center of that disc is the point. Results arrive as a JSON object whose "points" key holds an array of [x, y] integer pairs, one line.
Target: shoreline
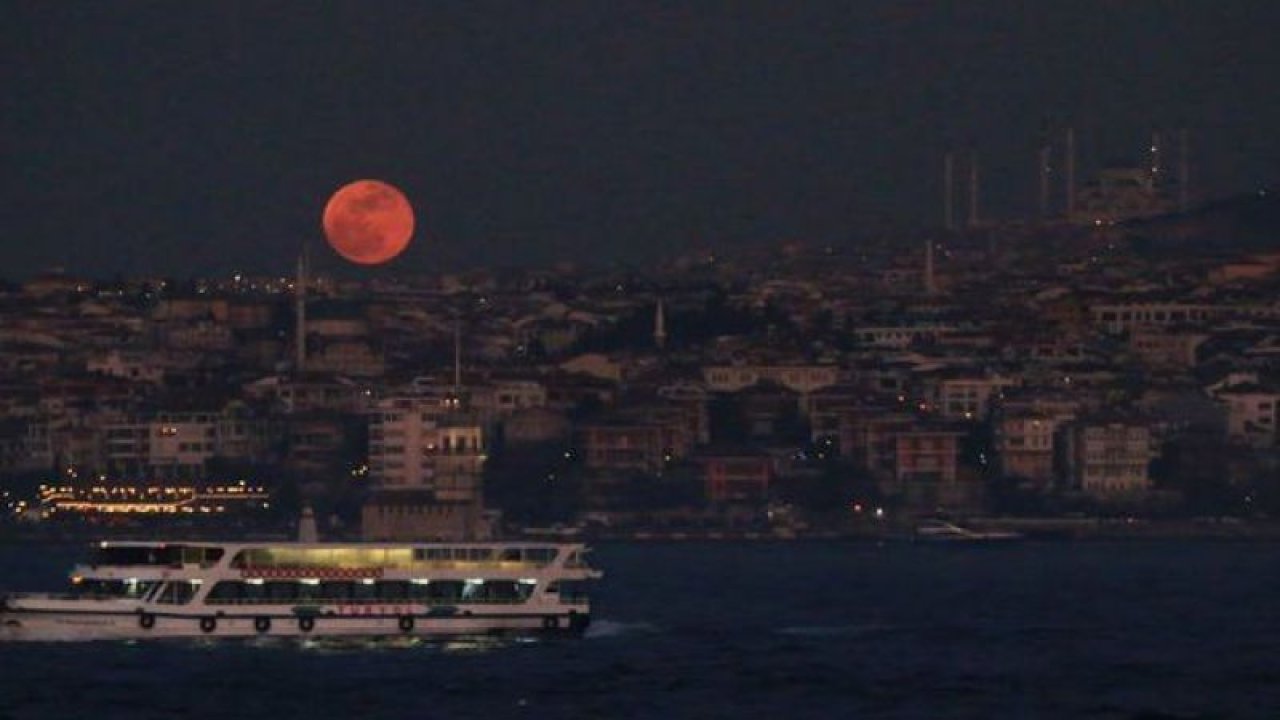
{"points": [[1028, 529]]}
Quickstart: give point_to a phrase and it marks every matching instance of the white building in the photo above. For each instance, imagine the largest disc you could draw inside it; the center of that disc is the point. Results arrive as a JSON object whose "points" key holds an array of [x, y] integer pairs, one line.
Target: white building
{"points": [[1024, 444], [414, 444], [1110, 457]]}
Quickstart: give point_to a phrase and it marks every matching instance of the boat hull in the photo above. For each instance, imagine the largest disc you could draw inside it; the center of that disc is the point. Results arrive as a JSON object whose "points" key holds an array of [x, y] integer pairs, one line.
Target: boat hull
{"points": [[56, 626]]}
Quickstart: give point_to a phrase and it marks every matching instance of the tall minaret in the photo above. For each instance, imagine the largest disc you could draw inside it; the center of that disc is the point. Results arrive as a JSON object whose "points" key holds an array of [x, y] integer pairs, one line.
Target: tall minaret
{"points": [[1184, 171], [973, 188], [948, 191], [1069, 163], [1156, 170], [1045, 170], [300, 309], [929, 286], [659, 326]]}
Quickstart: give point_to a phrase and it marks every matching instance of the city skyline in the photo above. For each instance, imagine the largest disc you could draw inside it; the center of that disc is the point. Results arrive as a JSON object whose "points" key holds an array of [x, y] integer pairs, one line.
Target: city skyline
{"points": [[152, 141]]}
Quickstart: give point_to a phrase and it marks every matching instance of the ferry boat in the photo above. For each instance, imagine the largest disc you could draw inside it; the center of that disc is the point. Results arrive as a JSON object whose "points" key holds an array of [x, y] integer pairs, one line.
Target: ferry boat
{"points": [[135, 590]]}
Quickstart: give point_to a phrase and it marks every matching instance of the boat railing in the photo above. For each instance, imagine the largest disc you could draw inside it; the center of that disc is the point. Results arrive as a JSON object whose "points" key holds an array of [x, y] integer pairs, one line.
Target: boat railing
{"points": [[410, 566], [81, 597], [366, 601]]}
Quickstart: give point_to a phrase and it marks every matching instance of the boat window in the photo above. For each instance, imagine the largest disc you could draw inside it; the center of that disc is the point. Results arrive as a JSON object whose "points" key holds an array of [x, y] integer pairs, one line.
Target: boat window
{"points": [[364, 591], [511, 555], [136, 555], [277, 590], [226, 592], [253, 592], [505, 591], [112, 588], [177, 592], [253, 557], [202, 556], [337, 589], [473, 591], [399, 557], [439, 590], [393, 590]]}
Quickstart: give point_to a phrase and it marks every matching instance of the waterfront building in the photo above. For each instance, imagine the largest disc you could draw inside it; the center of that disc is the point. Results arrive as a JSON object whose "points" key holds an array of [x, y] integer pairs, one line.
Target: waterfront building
{"points": [[1109, 457]]}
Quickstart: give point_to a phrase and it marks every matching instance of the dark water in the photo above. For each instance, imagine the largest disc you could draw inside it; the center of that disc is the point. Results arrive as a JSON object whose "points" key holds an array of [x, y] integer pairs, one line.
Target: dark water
{"points": [[1142, 630]]}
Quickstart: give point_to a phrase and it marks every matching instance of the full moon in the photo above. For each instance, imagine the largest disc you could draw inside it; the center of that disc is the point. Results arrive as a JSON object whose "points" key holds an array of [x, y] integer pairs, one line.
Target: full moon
{"points": [[368, 222]]}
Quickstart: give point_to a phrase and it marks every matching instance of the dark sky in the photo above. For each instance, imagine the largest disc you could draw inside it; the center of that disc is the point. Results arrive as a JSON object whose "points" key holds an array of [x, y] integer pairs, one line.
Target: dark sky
{"points": [[187, 138]]}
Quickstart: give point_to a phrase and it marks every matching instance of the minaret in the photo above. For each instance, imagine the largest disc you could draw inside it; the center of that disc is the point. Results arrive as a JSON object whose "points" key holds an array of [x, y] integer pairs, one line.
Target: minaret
{"points": [[929, 287], [948, 192], [1156, 170], [1044, 170], [659, 326], [973, 188], [1184, 171], [1070, 165], [300, 310]]}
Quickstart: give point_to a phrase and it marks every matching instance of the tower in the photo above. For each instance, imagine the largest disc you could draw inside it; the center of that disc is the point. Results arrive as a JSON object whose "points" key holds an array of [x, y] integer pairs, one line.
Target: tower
{"points": [[1184, 171], [659, 326], [1155, 170], [1044, 171], [948, 192], [929, 286], [973, 188]]}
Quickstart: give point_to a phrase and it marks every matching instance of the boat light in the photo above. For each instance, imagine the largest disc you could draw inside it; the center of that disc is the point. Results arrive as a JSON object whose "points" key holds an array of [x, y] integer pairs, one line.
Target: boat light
{"points": [[310, 581], [419, 581], [528, 581], [366, 581], [254, 581]]}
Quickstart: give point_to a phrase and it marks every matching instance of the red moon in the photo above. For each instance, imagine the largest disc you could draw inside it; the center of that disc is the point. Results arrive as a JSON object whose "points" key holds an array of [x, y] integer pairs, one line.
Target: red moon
{"points": [[368, 222]]}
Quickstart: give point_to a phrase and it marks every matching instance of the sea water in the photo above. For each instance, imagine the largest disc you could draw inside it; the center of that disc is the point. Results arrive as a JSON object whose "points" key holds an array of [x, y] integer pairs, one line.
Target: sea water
{"points": [[1126, 630]]}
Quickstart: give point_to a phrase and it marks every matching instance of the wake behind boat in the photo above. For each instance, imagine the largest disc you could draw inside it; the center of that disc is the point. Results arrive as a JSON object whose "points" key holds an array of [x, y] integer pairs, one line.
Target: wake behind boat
{"points": [[943, 531], [135, 590]]}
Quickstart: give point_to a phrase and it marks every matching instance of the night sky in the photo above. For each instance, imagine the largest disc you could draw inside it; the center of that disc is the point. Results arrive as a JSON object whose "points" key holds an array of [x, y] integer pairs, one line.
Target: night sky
{"points": [[189, 138]]}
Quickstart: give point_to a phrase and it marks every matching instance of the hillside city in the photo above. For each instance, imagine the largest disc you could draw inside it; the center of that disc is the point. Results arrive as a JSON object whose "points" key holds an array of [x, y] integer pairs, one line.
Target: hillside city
{"points": [[1037, 375]]}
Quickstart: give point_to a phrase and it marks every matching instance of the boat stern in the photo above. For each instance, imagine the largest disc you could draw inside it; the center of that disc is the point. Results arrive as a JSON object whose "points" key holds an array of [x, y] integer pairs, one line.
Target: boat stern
{"points": [[10, 624]]}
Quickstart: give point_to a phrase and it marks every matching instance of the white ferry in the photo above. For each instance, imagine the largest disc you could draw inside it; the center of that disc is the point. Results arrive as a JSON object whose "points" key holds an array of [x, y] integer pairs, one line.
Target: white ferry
{"points": [[133, 590]]}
